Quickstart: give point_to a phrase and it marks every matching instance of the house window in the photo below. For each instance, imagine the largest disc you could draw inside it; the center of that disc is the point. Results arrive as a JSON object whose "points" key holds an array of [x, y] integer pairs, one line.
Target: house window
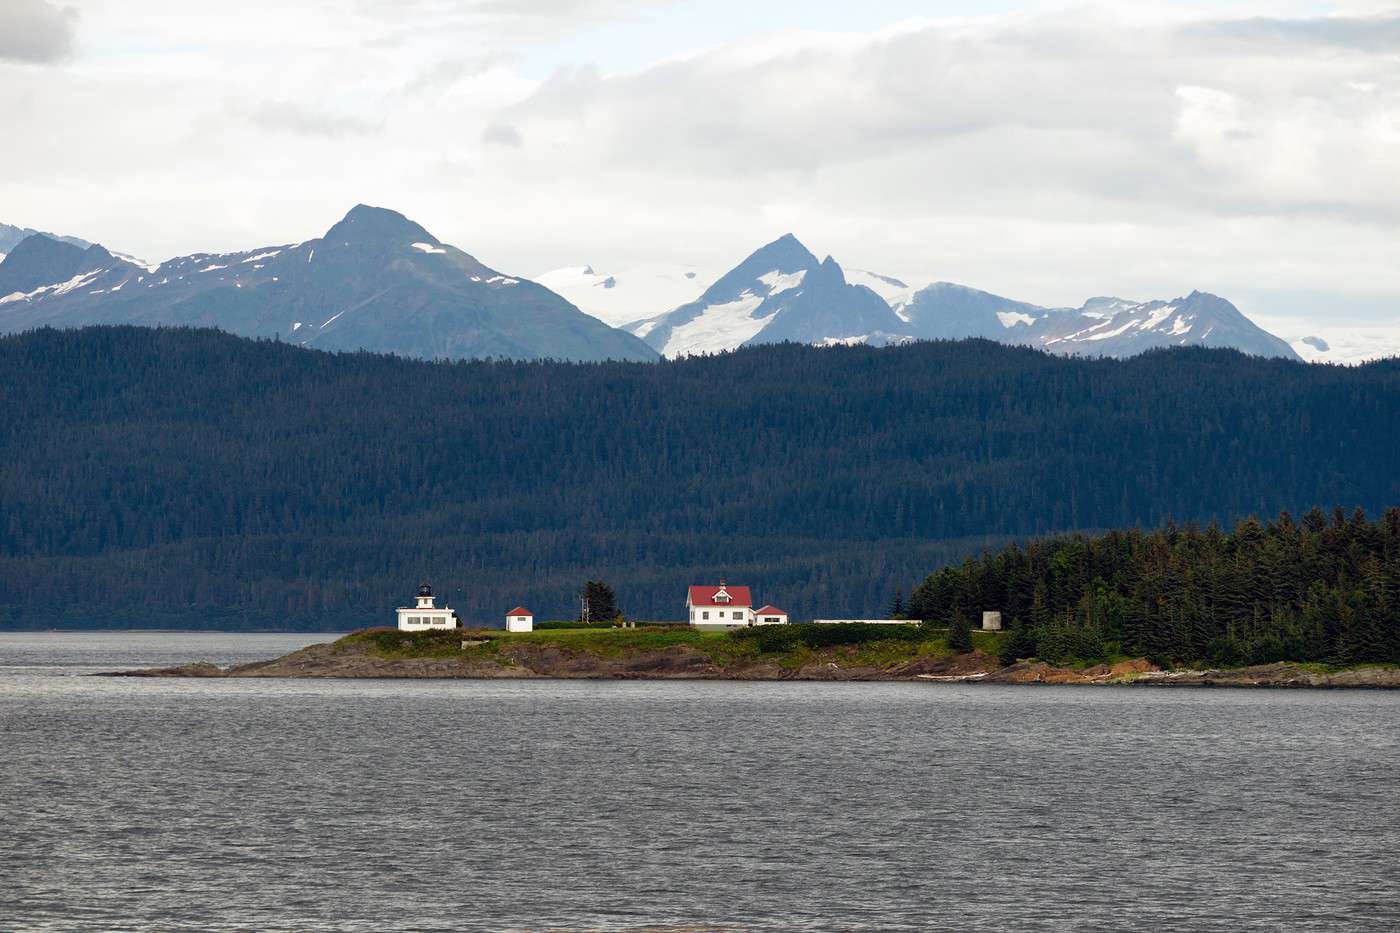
{"points": [[705, 615]]}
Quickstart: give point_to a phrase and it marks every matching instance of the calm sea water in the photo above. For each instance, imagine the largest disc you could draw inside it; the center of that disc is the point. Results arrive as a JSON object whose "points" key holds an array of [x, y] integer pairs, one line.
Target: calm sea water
{"points": [[385, 805]]}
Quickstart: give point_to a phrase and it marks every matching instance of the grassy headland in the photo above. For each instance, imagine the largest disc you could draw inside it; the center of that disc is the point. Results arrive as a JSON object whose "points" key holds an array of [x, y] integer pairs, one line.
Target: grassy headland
{"points": [[795, 652]]}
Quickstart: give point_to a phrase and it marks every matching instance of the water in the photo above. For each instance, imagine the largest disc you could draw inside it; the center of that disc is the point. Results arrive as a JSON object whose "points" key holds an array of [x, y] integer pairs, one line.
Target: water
{"points": [[385, 805]]}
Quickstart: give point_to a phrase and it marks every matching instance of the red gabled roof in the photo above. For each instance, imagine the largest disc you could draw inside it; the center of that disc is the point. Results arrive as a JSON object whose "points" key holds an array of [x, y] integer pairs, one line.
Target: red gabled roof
{"points": [[520, 611], [705, 596], [771, 611]]}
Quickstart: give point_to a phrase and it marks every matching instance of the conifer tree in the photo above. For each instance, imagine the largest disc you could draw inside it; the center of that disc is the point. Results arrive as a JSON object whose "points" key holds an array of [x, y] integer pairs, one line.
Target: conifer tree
{"points": [[959, 633]]}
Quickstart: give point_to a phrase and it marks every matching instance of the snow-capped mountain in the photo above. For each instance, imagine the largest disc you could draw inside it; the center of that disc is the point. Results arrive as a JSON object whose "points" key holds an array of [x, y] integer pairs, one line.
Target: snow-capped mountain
{"points": [[375, 281], [1102, 326], [1114, 327], [779, 293], [945, 311], [623, 296], [378, 281], [782, 292]]}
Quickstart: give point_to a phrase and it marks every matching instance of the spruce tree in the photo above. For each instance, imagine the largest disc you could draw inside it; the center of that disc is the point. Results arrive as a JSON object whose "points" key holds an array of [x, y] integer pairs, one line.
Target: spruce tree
{"points": [[1020, 644], [959, 633]]}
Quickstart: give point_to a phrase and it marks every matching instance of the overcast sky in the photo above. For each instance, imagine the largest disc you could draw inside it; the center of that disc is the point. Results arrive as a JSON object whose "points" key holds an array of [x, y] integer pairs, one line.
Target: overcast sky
{"points": [[1044, 151]]}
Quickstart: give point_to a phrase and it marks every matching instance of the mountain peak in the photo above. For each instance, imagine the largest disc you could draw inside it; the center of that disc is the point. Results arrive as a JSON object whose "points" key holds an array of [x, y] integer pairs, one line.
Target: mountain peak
{"points": [[830, 271], [366, 224], [39, 260], [785, 254]]}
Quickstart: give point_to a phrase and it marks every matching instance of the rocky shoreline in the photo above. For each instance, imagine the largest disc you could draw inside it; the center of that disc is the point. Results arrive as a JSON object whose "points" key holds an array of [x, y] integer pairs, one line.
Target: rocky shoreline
{"points": [[524, 660]]}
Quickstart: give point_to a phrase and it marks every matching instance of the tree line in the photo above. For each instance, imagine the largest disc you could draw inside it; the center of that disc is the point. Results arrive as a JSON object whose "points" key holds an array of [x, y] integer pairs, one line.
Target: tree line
{"points": [[1321, 588], [187, 477]]}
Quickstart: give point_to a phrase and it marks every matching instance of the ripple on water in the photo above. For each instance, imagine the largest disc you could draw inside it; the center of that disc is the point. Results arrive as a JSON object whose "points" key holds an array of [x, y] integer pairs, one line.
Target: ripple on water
{"points": [[373, 805]]}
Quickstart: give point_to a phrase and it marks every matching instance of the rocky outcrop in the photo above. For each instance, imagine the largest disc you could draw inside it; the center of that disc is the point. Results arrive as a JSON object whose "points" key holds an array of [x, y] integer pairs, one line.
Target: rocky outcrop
{"points": [[524, 659]]}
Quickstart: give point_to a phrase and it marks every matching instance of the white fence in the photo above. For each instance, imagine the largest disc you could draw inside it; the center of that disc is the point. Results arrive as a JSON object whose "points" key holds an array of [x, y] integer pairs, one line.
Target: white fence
{"points": [[860, 621]]}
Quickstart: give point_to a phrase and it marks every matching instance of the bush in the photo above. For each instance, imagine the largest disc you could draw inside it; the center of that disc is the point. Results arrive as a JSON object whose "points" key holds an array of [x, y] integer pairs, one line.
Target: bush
{"points": [[1021, 644]]}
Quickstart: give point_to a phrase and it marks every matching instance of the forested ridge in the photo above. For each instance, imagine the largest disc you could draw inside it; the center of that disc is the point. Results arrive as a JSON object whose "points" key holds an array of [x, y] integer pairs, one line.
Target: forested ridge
{"points": [[187, 477], [1317, 589]]}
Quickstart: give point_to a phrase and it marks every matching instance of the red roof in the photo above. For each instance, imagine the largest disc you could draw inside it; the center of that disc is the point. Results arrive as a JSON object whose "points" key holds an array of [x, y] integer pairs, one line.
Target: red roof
{"points": [[771, 611], [520, 611], [705, 596]]}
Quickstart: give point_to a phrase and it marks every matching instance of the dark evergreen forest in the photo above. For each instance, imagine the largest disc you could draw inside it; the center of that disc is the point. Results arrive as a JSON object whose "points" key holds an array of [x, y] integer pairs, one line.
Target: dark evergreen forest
{"points": [[190, 478], [1323, 588]]}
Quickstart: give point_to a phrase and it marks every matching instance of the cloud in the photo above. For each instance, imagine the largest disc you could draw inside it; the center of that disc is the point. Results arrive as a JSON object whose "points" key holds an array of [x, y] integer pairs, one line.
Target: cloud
{"points": [[502, 134], [1048, 157], [519, 18], [35, 31], [1073, 114], [443, 75], [282, 116], [1377, 31]]}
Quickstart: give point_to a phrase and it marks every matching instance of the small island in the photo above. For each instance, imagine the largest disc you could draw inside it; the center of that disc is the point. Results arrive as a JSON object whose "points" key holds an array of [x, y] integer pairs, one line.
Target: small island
{"points": [[807, 652]]}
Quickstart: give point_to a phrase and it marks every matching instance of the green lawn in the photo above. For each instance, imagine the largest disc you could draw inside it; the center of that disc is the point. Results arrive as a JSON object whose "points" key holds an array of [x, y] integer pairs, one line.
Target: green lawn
{"points": [[723, 648]]}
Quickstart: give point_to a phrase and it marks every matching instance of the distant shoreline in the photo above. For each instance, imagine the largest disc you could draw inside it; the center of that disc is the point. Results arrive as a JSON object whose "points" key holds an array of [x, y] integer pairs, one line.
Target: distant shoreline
{"points": [[604, 655]]}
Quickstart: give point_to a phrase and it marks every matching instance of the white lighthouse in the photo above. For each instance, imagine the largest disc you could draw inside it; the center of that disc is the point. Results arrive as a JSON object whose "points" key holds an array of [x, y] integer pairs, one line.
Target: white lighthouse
{"points": [[425, 615]]}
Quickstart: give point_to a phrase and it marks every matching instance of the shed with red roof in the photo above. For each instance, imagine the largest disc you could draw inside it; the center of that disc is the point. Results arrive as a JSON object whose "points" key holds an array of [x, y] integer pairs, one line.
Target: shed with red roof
{"points": [[770, 615], [520, 619]]}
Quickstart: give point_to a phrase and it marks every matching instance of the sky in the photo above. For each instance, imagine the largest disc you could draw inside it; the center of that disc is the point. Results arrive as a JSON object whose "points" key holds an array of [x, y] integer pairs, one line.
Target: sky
{"points": [[1044, 151]]}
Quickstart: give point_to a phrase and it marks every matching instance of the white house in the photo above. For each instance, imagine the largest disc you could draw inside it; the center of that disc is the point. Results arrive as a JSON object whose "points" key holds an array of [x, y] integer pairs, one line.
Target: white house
{"points": [[770, 615], [520, 619], [717, 608], [425, 615]]}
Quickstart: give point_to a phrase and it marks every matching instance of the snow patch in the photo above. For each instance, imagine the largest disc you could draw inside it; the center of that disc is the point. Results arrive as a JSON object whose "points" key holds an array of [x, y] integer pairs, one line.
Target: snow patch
{"points": [[60, 288], [501, 279], [844, 341], [782, 281], [719, 328], [886, 286], [1111, 333], [332, 318], [1010, 319], [296, 325], [623, 297], [212, 268], [1157, 317], [1181, 325], [311, 257], [262, 256], [429, 248]]}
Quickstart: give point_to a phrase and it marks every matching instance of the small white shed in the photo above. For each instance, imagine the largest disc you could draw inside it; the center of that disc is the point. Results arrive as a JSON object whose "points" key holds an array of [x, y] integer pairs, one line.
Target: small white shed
{"points": [[520, 619], [770, 615], [991, 621]]}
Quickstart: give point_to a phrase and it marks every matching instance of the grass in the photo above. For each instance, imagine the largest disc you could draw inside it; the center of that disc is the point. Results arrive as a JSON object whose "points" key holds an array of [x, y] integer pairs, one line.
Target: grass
{"points": [[867, 648], [882, 649]]}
